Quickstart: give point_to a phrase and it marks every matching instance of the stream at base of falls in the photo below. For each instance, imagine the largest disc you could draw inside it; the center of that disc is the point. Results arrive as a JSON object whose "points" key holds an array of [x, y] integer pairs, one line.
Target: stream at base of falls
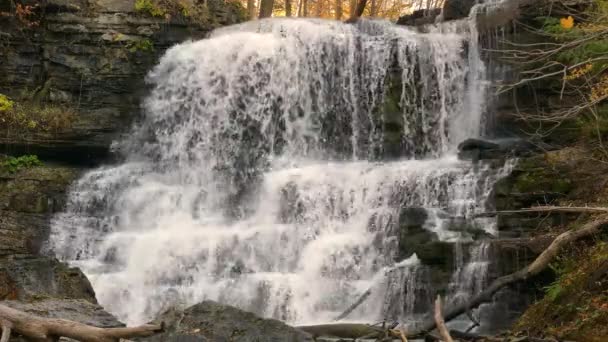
{"points": [[275, 167]]}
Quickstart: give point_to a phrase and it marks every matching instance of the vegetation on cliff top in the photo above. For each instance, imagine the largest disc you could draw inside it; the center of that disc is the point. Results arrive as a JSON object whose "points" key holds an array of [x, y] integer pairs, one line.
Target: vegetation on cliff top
{"points": [[28, 116], [187, 10]]}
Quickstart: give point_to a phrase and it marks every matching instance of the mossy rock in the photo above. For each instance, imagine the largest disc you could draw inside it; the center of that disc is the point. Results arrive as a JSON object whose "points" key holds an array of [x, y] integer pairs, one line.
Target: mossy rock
{"points": [[37, 190]]}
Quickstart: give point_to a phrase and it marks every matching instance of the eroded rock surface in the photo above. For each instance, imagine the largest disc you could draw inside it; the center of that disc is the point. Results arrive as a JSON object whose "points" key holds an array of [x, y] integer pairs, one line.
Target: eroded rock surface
{"points": [[211, 321]]}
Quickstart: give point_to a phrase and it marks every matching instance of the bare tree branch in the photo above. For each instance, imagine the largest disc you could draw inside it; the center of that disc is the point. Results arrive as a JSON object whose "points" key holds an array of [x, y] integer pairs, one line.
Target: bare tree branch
{"points": [[547, 208]]}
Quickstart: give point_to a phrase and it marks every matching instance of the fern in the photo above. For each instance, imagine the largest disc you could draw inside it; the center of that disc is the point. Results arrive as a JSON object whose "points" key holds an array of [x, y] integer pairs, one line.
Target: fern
{"points": [[554, 290], [15, 164]]}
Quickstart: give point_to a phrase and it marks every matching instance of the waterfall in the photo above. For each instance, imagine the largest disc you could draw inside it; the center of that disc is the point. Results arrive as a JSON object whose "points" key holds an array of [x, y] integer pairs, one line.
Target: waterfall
{"points": [[271, 169]]}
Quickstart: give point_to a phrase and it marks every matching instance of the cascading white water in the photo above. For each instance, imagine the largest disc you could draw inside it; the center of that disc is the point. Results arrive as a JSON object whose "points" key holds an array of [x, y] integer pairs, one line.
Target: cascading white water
{"points": [[258, 175]]}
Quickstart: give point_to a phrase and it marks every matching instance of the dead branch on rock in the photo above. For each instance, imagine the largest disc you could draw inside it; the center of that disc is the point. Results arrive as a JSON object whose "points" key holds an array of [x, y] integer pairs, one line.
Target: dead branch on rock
{"points": [[353, 331], [544, 209], [440, 323], [538, 265], [51, 329]]}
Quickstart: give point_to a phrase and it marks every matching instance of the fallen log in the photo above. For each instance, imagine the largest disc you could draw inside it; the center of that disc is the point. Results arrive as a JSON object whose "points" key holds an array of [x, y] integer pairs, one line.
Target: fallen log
{"points": [[545, 209], [50, 329], [440, 323], [538, 265]]}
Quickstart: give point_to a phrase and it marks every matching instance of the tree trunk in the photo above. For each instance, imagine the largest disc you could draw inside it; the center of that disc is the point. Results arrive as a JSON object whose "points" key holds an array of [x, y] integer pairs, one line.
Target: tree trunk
{"points": [[374, 8], [319, 9], [266, 8], [353, 8], [358, 11], [251, 9], [305, 8], [288, 8], [48, 330], [338, 10]]}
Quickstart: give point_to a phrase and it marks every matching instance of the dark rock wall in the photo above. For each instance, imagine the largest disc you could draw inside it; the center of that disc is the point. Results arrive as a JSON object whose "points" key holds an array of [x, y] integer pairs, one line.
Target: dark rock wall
{"points": [[92, 57], [28, 199]]}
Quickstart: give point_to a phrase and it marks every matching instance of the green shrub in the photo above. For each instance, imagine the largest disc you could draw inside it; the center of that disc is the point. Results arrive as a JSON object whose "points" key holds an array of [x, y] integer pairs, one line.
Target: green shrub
{"points": [[14, 164], [149, 7], [5, 103], [144, 45]]}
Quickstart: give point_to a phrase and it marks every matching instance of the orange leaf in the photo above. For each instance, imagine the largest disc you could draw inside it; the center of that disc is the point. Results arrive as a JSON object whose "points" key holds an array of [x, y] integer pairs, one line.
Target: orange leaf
{"points": [[567, 23]]}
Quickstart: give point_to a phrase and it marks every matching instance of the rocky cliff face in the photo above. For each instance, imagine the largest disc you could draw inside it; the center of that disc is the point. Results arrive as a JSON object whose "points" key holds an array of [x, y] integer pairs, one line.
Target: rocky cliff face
{"points": [[28, 199], [89, 57]]}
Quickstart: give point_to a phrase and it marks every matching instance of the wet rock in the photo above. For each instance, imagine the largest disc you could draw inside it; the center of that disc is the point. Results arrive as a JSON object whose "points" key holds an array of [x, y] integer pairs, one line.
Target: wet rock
{"points": [[478, 149], [412, 217], [31, 277], [211, 321], [419, 17], [413, 237], [457, 9]]}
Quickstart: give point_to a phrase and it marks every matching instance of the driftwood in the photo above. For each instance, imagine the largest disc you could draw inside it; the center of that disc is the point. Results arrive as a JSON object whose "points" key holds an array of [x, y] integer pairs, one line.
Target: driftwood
{"points": [[50, 330], [546, 209], [440, 323], [538, 265]]}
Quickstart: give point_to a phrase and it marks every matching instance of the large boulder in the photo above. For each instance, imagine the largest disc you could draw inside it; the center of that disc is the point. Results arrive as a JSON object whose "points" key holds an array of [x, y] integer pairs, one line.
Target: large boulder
{"points": [[211, 321]]}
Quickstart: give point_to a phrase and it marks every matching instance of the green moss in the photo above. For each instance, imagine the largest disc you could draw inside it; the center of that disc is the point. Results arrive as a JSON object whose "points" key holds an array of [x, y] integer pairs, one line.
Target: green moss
{"points": [[540, 174], [542, 180], [5, 104]]}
